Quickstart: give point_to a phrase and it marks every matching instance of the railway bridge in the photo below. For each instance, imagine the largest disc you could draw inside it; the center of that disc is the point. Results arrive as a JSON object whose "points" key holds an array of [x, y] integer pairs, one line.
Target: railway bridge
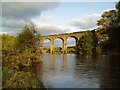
{"points": [[63, 37]]}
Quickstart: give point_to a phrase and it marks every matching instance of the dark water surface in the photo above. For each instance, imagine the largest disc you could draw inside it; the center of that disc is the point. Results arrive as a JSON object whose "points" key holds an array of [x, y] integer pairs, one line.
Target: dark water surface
{"points": [[79, 71]]}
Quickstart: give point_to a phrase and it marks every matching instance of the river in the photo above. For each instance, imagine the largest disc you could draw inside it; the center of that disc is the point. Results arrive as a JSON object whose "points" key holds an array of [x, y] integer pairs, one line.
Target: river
{"points": [[78, 71]]}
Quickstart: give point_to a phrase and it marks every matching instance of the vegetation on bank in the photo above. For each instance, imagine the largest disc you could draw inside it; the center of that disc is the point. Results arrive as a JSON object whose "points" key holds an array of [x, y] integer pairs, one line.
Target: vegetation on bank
{"points": [[88, 43], [106, 38], [71, 49], [19, 52]]}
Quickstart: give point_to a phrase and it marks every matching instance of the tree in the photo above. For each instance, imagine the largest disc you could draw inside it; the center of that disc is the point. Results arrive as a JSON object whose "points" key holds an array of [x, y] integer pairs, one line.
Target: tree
{"points": [[109, 29], [57, 49], [88, 43], [8, 42], [27, 39], [118, 13], [108, 19]]}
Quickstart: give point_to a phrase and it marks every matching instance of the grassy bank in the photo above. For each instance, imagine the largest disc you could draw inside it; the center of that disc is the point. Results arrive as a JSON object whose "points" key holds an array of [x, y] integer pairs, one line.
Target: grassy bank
{"points": [[13, 74]]}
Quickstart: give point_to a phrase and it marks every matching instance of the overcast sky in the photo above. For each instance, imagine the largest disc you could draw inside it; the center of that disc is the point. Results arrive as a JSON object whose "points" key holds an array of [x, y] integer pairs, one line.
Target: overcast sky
{"points": [[52, 17]]}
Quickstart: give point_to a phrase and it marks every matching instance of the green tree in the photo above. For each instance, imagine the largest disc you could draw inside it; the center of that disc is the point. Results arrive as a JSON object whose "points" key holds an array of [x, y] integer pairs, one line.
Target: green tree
{"points": [[95, 40], [118, 13], [108, 19], [88, 43], [57, 49], [109, 29], [14, 61], [27, 40], [8, 42], [27, 45]]}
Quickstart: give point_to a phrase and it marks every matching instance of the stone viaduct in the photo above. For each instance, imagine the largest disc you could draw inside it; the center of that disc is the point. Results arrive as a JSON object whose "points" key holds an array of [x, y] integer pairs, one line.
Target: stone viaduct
{"points": [[63, 37]]}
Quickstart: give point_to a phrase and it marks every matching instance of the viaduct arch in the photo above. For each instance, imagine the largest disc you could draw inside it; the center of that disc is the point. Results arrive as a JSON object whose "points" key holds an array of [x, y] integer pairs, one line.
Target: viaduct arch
{"points": [[63, 37]]}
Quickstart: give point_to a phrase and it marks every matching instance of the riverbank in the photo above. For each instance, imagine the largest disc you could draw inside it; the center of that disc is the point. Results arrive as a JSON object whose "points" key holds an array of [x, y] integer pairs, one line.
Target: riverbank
{"points": [[104, 53], [14, 75], [20, 79], [112, 53]]}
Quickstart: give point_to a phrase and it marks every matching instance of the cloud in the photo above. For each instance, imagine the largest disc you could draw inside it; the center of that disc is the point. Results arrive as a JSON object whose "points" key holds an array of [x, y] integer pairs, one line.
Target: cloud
{"points": [[15, 15], [11, 31], [59, 0], [25, 10], [48, 29], [32, 0], [12, 23], [46, 18], [12, 26], [88, 22]]}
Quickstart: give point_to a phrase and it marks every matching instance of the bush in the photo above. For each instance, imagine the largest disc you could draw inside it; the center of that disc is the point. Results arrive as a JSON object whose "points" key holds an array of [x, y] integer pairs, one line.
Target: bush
{"points": [[21, 79]]}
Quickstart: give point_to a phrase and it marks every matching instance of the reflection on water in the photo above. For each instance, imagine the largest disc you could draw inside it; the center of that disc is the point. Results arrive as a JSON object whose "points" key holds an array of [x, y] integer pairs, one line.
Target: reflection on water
{"points": [[52, 63], [64, 62], [109, 72], [79, 71]]}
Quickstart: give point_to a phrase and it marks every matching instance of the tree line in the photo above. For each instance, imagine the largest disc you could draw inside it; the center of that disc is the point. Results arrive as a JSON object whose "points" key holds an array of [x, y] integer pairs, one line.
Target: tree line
{"points": [[19, 52], [105, 38]]}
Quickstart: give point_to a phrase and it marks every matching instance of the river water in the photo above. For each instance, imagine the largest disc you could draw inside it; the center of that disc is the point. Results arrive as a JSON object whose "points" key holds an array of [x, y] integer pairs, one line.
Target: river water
{"points": [[79, 71]]}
